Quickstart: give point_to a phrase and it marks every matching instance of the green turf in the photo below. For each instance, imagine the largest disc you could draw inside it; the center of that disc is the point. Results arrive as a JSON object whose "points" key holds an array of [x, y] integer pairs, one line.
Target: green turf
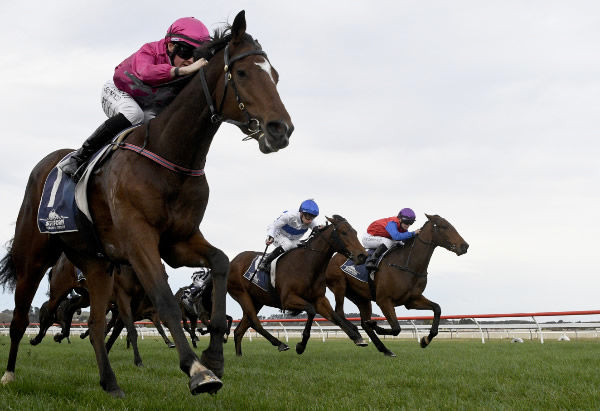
{"points": [[332, 375]]}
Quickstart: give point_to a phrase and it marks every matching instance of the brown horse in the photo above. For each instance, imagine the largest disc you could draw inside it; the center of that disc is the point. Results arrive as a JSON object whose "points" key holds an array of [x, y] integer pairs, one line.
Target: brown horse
{"points": [[203, 311], [128, 295], [400, 280], [145, 210], [62, 280], [299, 283]]}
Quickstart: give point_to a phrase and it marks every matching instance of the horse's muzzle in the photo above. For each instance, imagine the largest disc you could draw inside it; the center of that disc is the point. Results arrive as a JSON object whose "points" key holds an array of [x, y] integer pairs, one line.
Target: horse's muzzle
{"points": [[277, 136], [462, 249]]}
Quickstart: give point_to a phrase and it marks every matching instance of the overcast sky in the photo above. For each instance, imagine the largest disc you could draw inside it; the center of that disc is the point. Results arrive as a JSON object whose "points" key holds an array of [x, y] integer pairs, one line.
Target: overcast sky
{"points": [[486, 113]]}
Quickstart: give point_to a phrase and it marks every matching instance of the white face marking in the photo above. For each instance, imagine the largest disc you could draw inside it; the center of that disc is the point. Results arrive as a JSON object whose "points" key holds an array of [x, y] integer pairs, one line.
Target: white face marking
{"points": [[266, 67]]}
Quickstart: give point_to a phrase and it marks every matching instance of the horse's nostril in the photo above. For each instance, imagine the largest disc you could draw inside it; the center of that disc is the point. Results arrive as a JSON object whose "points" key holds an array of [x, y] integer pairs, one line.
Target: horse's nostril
{"points": [[277, 128]]}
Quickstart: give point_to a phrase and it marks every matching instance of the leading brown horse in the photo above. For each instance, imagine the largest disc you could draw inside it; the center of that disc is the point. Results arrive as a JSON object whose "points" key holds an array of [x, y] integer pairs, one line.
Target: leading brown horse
{"points": [[400, 280], [299, 283], [146, 210]]}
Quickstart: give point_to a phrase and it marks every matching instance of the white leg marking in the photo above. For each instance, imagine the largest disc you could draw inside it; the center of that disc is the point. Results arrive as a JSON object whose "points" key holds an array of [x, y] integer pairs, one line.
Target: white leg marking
{"points": [[8, 376], [196, 368]]}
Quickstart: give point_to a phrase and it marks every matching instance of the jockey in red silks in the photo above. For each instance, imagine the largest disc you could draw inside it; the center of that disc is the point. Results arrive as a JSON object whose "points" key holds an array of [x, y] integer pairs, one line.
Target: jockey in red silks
{"points": [[131, 97], [384, 233]]}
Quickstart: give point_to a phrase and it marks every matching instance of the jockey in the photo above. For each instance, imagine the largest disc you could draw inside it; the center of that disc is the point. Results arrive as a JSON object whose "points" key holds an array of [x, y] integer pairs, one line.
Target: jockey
{"points": [[133, 87], [288, 229], [384, 233], [192, 293]]}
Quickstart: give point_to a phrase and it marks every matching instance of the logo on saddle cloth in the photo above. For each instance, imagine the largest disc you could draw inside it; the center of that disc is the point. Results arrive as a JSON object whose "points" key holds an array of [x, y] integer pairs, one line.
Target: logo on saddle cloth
{"points": [[62, 198], [56, 213], [359, 272]]}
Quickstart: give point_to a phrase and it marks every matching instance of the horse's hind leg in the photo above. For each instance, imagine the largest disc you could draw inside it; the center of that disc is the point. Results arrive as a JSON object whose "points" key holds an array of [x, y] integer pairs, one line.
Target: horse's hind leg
{"points": [[100, 285], [27, 274], [47, 318], [324, 308], [369, 326], [422, 303], [250, 311], [238, 334]]}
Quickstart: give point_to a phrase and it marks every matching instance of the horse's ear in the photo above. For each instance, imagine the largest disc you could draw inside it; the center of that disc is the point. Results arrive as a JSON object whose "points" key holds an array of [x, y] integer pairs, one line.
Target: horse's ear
{"points": [[428, 216], [238, 28], [329, 219]]}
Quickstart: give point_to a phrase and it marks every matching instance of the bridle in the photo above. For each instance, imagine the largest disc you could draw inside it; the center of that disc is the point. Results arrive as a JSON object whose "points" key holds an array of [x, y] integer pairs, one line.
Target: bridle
{"points": [[336, 243], [412, 247], [251, 124]]}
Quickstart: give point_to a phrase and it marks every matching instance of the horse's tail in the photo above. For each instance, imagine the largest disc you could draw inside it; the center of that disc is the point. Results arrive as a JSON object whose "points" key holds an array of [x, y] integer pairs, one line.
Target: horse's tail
{"points": [[8, 272]]}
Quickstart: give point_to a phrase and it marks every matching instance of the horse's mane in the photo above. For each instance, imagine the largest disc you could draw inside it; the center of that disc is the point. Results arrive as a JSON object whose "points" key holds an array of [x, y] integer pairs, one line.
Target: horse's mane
{"points": [[218, 41], [317, 231]]}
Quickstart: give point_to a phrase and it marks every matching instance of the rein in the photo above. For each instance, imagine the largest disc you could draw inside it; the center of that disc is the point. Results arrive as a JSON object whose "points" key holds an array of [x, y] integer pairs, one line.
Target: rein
{"points": [[405, 266], [251, 124], [158, 159], [336, 245]]}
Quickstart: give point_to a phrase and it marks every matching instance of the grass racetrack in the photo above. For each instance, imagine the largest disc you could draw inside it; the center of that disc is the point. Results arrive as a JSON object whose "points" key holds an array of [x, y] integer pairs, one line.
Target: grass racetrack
{"points": [[330, 375]]}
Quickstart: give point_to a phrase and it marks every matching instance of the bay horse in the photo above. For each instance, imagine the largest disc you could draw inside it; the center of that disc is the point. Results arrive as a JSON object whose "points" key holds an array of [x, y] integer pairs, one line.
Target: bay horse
{"points": [[299, 283], [203, 311], [400, 280], [62, 279], [147, 203]]}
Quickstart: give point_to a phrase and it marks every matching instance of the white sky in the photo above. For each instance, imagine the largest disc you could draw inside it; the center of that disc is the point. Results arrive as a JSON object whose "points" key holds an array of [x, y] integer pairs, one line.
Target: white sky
{"points": [[486, 113]]}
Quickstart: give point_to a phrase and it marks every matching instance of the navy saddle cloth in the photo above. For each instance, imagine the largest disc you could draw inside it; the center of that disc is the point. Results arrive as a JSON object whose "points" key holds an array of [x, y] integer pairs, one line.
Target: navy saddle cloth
{"points": [[262, 279], [57, 210], [357, 271]]}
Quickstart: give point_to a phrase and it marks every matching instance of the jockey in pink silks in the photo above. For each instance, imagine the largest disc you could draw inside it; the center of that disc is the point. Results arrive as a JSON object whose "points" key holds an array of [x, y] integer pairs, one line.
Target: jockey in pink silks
{"points": [[130, 97]]}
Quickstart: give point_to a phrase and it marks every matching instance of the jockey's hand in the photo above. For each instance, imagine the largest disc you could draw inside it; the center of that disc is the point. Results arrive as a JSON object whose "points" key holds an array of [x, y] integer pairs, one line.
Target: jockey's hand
{"points": [[417, 231], [192, 68], [269, 240]]}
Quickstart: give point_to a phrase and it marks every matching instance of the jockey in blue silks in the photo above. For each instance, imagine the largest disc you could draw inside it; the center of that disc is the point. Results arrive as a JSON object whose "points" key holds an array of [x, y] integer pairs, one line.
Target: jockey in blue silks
{"points": [[288, 229]]}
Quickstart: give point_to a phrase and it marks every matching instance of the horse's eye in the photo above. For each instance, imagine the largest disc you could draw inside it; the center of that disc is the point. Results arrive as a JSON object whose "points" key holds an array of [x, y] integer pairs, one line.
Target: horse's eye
{"points": [[241, 73]]}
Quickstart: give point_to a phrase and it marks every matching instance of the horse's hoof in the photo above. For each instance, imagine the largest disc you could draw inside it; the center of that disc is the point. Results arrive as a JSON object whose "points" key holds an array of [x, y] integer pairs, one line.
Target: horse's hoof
{"points": [[171, 345], [205, 381], [8, 377], [300, 348], [389, 354], [215, 365], [361, 343], [139, 365], [283, 347], [424, 342], [118, 393], [33, 341]]}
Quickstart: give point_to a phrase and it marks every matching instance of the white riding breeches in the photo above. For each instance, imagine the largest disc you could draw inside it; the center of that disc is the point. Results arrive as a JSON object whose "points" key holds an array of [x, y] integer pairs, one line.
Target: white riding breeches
{"points": [[373, 241], [115, 101], [284, 242]]}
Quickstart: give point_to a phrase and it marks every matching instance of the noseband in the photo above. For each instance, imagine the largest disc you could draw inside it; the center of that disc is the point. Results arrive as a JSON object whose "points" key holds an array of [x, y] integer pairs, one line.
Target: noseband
{"points": [[251, 124]]}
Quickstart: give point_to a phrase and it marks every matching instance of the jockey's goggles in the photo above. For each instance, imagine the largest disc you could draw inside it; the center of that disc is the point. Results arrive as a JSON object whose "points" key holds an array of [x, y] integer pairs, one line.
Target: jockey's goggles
{"points": [[309, 216], [407, 221], [184, 50]]}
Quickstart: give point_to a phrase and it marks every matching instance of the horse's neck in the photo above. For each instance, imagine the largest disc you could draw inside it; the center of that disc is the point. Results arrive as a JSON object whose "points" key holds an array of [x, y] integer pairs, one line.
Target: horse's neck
{"points": [[418, 255], [183, 132], [321, 253]]}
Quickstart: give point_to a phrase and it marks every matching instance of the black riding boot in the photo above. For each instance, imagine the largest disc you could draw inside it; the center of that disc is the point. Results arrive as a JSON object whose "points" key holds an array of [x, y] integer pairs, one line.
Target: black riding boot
{"points": [[265, 264], [371, 263], [95, 142]]}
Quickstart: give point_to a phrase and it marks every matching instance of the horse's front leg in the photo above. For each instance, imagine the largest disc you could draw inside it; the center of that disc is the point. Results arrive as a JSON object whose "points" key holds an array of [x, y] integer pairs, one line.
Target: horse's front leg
{"points": [[301, 346], [146, 263], [422, 303], [324, 308], [197, 252], [100, 286]]}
